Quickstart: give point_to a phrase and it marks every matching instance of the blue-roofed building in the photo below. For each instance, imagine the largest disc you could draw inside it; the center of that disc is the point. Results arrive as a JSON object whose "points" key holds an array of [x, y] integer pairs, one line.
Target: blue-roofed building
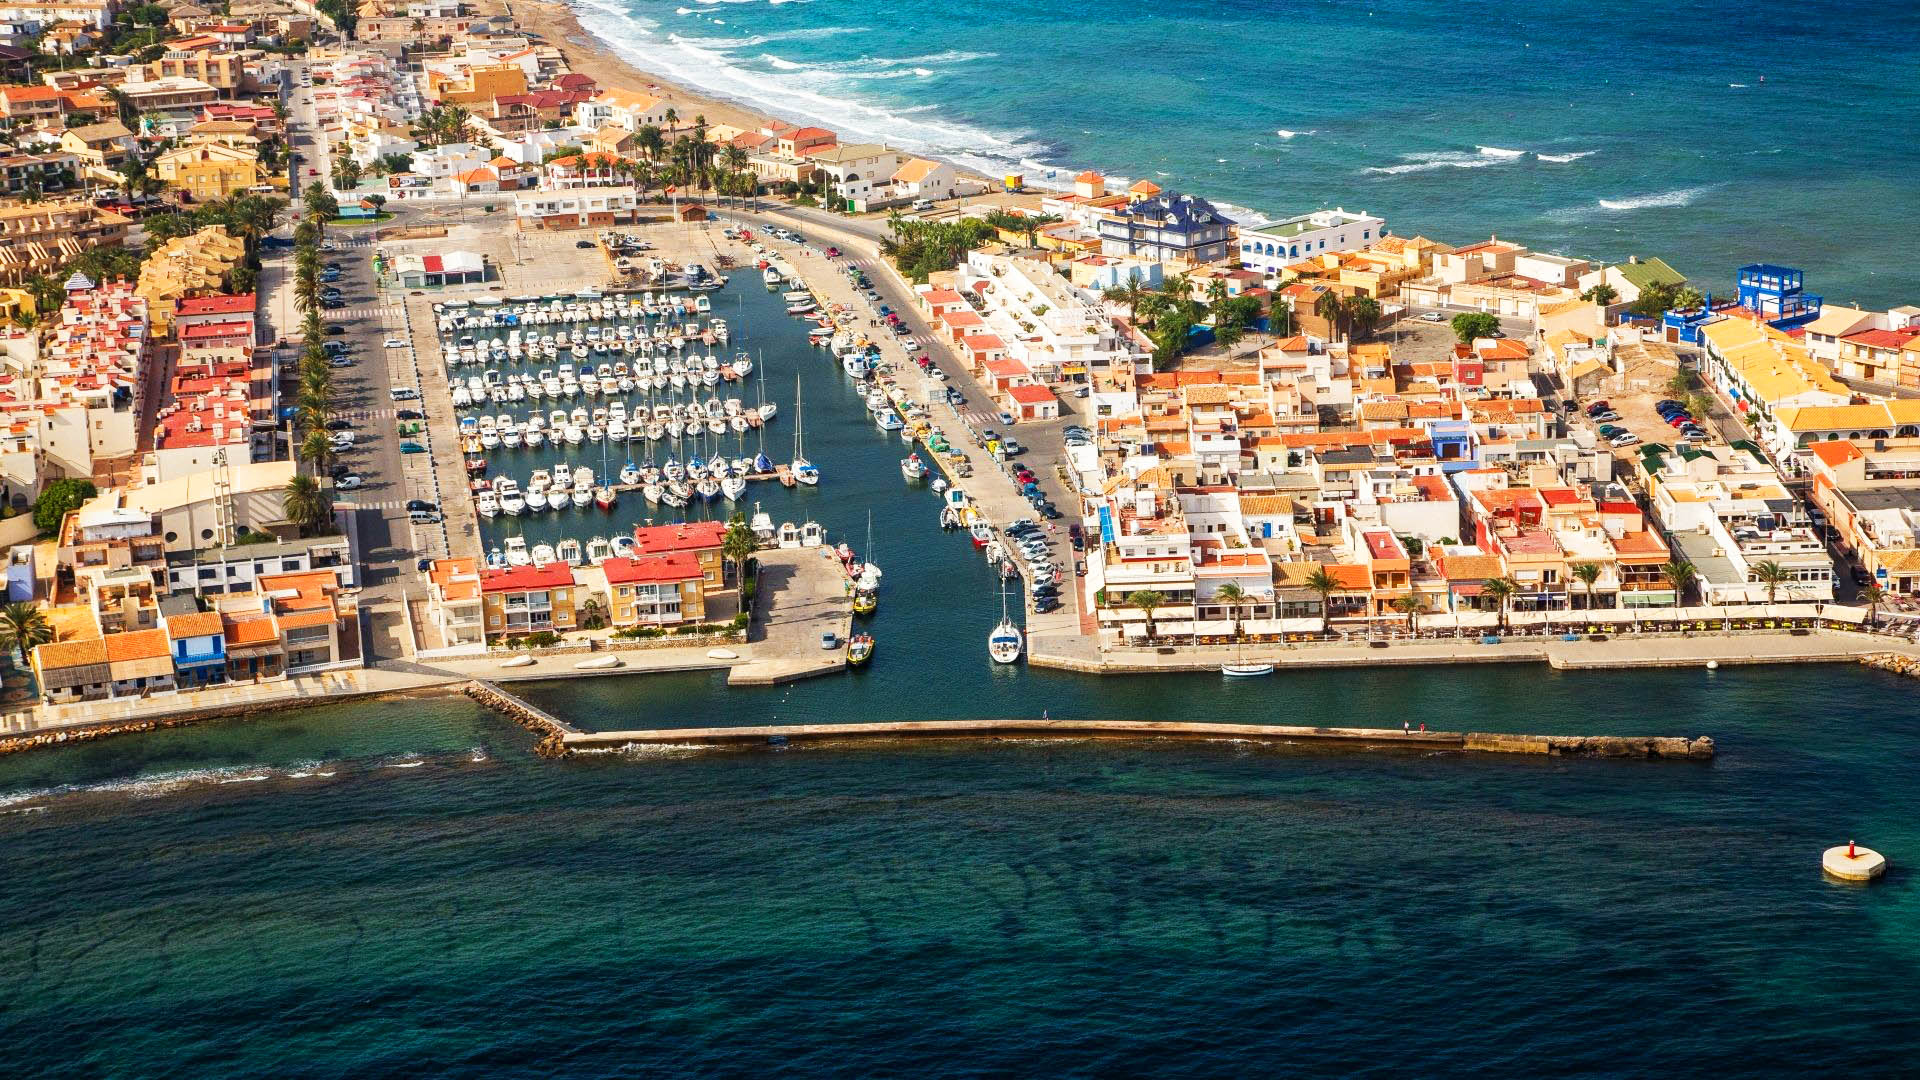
{"points": [[1168, 227], [1775, 293], [1453, 444]]}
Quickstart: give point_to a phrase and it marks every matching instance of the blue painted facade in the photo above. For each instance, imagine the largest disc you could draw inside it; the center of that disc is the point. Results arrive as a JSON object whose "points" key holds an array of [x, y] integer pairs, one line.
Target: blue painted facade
{"points": [[1777, 293], [200, 660], [1453, 445]]}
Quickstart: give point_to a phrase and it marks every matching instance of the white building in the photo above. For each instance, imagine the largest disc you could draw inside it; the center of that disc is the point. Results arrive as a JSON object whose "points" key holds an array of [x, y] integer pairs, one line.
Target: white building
{"points": [[1272, 246], [859, 170], [923, 178], [98, 15], [1043, 322], [576, 208]]}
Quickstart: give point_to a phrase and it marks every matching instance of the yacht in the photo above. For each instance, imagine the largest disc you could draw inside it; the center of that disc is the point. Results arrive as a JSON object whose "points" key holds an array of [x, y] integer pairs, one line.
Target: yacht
{"points": [[1004, 642]]}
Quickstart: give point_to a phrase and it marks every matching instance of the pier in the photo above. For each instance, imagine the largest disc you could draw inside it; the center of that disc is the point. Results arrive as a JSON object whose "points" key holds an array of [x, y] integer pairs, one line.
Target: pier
{"points": [[803, 594], [1613, 746]]}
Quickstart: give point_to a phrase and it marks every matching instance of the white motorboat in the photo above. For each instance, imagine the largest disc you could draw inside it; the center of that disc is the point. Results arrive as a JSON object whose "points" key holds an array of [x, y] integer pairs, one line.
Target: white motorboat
{"points": [[912, 467], [517, 554]]}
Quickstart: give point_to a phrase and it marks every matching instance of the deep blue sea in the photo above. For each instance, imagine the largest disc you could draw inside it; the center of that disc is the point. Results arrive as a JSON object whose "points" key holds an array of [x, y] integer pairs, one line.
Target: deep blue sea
{"points": [[400, 888], [1710, 132]]}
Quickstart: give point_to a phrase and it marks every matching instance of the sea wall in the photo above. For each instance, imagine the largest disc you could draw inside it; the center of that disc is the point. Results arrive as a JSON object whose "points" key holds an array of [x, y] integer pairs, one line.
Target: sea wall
{"points": [[1355, 738], [551, 730]]}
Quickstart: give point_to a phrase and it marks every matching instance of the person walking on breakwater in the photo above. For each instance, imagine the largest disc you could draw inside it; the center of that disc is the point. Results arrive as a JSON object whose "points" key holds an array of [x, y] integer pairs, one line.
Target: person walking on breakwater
{"points": [[1406, 727]]}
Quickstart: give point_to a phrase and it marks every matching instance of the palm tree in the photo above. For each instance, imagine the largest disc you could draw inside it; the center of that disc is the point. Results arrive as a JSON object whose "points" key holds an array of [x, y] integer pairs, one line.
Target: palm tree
{"points": [[1874, 594], [1364, 313], [1333, 309], [22, 626], [1501, 589], [1772, 575], [1130, 293], [1586, 574], [1602, 294], [739, 545], [650, 141], [315, 450], [1681, 575], [1323, 583], [306, 503], [1147, 600], [672, 117], [1412, 605], [1233, 596]]}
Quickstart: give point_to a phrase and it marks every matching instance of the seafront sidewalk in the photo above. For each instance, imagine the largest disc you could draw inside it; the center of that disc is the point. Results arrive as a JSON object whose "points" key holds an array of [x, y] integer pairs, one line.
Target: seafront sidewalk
{"points": [[236, 697], [1076, 653]]}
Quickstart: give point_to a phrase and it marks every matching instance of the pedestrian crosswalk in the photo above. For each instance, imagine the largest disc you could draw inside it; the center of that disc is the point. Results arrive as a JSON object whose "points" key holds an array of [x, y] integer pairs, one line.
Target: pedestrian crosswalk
{"points": [[372, 311]]}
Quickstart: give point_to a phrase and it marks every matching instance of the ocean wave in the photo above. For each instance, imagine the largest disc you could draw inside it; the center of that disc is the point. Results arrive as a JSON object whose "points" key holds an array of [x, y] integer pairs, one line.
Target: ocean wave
{"points": [[815, 95], [1500, 152], [781, 63], [1444, 159], [1562, 159], [1285, 134], [1678, 197]]}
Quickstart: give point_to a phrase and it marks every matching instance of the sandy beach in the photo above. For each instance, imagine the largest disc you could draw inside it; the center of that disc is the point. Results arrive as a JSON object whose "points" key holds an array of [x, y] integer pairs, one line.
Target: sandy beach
{"points": [[555, 23]]}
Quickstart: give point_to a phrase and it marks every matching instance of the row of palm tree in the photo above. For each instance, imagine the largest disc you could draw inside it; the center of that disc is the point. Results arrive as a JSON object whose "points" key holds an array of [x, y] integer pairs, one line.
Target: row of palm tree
{"points": [[307, 503], [1680, 575]]}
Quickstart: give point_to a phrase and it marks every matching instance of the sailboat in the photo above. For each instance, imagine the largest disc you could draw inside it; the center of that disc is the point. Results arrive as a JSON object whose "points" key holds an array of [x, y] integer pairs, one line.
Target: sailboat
{"points": [[1240, 669], [866, 577], [804, 471], [1005, 642]]}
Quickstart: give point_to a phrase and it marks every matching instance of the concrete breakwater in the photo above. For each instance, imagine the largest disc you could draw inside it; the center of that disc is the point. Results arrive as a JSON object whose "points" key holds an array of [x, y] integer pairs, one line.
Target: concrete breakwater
{"points": [[552, 730], [1356, 738]]}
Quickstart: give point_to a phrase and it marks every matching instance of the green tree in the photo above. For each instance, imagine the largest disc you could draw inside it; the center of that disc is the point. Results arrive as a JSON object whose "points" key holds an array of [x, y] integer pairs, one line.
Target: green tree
{"points": [[1502, 590], [1772, 575], [1656, 299], [1324, 584], [1232, 596], [346, 172], [1602, 294], [1586, 573], [58, 498], [1363, 314], [1470, 325], [306, 504], [1147, 601], [1681, 575], [23, 626], [1412, 605], [321, 205], [738, 545], [1331, 307], [1875, 595]]}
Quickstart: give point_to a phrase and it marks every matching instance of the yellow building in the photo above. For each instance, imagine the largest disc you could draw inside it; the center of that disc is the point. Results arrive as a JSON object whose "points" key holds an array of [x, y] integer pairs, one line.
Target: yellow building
{"points": [[16, 306], [480, 85], [208, 171], [192, 265]]}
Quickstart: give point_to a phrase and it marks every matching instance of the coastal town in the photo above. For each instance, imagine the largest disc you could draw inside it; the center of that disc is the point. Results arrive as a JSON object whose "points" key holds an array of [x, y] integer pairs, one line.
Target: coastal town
{"points": [[286, 287]]}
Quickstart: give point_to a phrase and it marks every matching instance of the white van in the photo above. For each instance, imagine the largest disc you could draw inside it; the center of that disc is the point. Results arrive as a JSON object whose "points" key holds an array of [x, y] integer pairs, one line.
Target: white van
{"points": [[404, 393], [424, 517]]}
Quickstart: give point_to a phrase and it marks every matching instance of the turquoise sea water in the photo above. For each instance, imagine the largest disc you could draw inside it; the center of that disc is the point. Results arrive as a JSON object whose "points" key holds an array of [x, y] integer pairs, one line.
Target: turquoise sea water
{"points": [[1714, 133], [403, 889]]}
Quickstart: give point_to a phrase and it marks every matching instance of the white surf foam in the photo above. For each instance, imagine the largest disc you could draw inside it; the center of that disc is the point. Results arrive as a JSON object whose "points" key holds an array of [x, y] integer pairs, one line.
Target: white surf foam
{"points": [[1444, 159], [1285, 134], [1562, 159], [1500, 152], [1680, 197], [813, 94]]}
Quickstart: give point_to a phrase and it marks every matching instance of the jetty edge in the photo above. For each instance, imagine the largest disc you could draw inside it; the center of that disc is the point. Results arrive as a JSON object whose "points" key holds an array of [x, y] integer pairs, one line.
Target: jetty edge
{"points": [[1698, 748]]}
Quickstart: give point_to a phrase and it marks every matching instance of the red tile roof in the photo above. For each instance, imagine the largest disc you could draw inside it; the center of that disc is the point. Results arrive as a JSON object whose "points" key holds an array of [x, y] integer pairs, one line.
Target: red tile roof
{"points": [[521, 578], [1030, 394], [672, 566], [215, 305], [692, 536], [1882, 339]]}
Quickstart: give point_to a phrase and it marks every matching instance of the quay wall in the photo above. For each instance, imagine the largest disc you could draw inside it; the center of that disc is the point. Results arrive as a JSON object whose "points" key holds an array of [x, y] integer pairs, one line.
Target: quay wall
{"points": [[1474, 742], [551, 729]]}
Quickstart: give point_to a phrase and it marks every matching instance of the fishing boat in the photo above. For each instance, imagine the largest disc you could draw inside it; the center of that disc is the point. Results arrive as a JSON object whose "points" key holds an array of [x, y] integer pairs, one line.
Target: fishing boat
{"points": [[1004, 642], [913, 468], [812, 534], [762, 524], [605, 498], [859, 649], [866, 576]]}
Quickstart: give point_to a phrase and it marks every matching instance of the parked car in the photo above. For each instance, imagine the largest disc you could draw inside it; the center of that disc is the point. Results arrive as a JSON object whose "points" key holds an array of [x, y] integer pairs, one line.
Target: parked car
{"points": [[1625, 438], [584, 245], [409, 414], [395, 343], [420, 504], [339, 425], [1005, 418], [412, 448], [340, 440], [347, 482], [334, 330], [340, 361]]}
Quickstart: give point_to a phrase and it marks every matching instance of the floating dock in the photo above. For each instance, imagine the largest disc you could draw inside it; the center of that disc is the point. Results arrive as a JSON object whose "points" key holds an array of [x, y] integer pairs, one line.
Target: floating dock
{"points": [[1356, 738]]}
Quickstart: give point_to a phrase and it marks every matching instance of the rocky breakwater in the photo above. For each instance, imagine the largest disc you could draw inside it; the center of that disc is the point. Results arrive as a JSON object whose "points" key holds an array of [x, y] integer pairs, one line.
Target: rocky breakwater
{"points": [[1898, 663], [1614, 746], [551, 730]]}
